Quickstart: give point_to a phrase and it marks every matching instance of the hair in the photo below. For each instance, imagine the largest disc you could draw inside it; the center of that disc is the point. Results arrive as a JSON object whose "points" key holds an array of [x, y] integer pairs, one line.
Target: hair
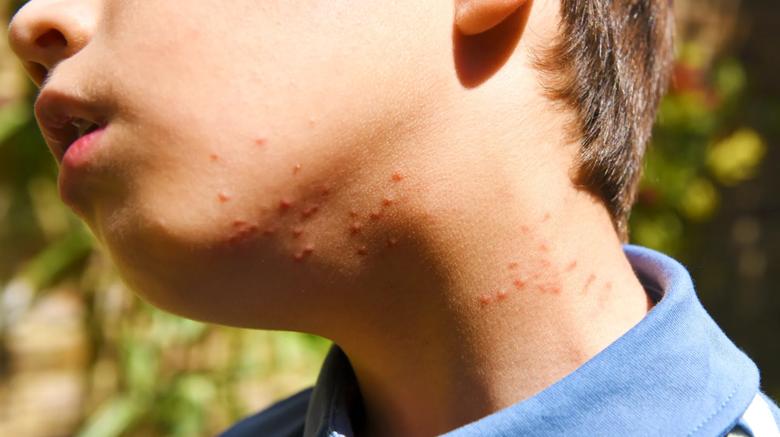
{"points": [[611, 64]]}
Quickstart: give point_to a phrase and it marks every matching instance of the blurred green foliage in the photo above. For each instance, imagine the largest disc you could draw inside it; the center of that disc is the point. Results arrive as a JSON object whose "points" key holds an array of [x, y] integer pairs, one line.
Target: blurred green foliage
{"points": [[698, 147]]}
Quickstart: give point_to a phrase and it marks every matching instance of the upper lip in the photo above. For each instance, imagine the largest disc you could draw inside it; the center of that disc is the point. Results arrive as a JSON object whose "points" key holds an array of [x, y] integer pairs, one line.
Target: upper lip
{"points": [[63, 118]]}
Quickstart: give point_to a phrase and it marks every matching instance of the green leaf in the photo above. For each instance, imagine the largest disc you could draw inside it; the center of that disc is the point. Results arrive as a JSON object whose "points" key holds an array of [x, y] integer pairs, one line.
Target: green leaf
{"points": [[113, 418], [60, 255], [12, 118]]}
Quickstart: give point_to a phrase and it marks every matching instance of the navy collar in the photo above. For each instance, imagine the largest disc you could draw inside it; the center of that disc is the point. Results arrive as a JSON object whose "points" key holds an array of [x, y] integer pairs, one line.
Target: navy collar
{"points": [[675, 373]]}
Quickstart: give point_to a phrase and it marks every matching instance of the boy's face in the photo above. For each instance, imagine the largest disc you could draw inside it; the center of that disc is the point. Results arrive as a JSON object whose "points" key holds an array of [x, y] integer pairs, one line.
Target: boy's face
{"points": [[250, 147]]}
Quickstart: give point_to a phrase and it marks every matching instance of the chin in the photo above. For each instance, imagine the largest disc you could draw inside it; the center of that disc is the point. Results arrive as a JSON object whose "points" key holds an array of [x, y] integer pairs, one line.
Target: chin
{"points": [[207, 279]]}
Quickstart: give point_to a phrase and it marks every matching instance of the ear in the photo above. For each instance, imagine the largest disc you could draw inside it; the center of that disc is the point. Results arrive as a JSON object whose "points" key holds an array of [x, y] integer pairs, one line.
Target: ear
{"points": [[476, 16]]}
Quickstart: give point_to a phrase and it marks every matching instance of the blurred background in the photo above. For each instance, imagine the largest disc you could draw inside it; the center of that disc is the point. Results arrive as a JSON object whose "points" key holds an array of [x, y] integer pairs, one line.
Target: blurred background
{"points": [[80, 355]]}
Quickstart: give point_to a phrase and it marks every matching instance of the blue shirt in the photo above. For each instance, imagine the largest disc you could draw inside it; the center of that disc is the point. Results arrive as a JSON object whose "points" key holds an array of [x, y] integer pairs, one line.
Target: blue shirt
{"points": [[673, 374]]}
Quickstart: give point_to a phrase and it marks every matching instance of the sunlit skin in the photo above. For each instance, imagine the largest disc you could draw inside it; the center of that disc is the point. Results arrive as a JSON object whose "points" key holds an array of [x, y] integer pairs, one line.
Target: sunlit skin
{"points": [[388, 174]]}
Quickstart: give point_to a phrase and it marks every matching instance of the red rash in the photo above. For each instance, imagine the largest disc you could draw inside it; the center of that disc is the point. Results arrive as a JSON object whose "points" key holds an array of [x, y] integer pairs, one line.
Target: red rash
{"points": [[519, 284], [284, 205], [362, 251], [397, 177], [502, 295], [513, 265], [297, 169], [355, 228], [260, 142], [485, 299], [297, 232], [214, 157], [588, 283], [387, 201], [303, 254], [243, 231], [223, 197], [572, 265], [375, 215], [310, 211]]}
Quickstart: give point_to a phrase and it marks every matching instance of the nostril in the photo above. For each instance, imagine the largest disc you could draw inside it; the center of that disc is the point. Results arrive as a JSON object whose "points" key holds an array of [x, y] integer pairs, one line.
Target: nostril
{"points": [[52, 37]]}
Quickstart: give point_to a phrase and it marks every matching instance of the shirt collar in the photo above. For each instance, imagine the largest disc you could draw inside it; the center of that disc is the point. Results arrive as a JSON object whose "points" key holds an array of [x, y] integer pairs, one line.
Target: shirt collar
{"points": [[674, 373]]}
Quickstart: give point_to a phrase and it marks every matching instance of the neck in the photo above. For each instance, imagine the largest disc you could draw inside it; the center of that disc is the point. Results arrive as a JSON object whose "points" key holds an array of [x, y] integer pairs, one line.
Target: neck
{"points": [[498, 303]]}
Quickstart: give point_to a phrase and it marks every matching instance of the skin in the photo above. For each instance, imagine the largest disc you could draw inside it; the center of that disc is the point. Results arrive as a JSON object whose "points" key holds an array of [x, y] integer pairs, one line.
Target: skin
{"points": [[396, 181]]}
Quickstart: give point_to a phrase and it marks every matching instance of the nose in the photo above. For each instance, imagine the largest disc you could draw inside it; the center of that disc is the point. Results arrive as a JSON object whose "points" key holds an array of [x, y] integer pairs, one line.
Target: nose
{"points": [[46, 32]]}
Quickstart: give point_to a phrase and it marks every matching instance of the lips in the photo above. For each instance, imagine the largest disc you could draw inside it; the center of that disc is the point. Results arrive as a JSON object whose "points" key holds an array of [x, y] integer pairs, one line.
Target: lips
{"points": [[64, 119]]}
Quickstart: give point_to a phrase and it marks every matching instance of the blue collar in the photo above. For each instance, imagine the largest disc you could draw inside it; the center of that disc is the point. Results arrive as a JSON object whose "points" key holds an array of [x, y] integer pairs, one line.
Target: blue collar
{"points": [[675, 373]]}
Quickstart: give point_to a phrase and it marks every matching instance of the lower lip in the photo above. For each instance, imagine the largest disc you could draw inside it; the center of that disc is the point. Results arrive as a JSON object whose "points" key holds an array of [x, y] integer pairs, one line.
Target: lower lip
{"points": [[75, 165], [79, 153]]}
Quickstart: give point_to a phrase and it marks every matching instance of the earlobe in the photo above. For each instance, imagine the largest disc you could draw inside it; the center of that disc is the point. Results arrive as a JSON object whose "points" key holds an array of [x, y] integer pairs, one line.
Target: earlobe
{"points": [[473, 17]]}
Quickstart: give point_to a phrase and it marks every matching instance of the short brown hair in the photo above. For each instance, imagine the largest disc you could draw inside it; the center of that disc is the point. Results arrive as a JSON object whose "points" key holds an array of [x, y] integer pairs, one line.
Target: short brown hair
{"points": [[611, 64]]}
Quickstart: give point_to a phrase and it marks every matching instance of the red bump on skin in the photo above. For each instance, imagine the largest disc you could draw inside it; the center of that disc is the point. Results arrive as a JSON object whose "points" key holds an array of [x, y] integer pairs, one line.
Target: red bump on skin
{"points": [[305, 253], [546, 217], [269, 231], [284, 205], [297, 232], [310, 211], [297, 168], [362, 251], [397, 177], [502, 295], [243, 231], [525, 229], [572, 265], [485, 300], [353, 213], [223, 197], [387, 201], [355, 228], [588, 283], [214, 157], [375, 215], [324, 190], [260, 142], [513, 265], [519, 284], [544, 247]]}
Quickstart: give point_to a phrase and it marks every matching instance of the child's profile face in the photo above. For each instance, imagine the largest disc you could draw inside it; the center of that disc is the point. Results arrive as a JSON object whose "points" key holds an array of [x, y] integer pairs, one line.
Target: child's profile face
{"points": [[243, 139]]}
